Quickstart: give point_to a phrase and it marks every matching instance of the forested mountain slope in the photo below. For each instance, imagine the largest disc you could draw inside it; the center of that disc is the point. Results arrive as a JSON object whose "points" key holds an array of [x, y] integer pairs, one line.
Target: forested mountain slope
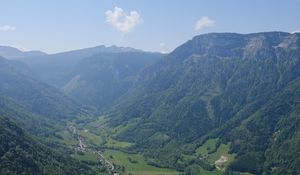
{"points": [[270, 137], [30, 121], [212, 86], [22, 154]]}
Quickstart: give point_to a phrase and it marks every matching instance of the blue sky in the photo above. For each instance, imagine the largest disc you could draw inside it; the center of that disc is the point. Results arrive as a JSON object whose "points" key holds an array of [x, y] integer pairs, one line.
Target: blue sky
{"points": [[153, 25]]}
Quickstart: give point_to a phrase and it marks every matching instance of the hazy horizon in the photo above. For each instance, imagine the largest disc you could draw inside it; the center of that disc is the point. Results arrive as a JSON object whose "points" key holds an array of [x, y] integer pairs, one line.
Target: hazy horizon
{"points": [[107, 46], [59, 26]]}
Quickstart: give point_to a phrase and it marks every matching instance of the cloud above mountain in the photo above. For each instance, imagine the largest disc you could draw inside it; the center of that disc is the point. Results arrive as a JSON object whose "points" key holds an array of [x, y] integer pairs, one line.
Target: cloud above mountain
{"points": [[123, 22], [203, 23], [6, 28]]}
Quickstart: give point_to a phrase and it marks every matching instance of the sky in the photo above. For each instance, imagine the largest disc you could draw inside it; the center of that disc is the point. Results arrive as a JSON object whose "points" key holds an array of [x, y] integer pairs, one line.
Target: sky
{"points": [[152, 25]]}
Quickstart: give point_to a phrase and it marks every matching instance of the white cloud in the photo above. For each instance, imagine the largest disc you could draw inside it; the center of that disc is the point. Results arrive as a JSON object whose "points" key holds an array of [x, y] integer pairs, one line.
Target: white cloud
{"points": [[204, 22], [6, 28], [121, 21], [163, 48]]}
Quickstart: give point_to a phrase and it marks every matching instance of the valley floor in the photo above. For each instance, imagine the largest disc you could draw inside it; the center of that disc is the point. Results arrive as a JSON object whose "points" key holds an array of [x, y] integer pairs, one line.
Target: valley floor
{"points": [[98, 147], [102, 149]]}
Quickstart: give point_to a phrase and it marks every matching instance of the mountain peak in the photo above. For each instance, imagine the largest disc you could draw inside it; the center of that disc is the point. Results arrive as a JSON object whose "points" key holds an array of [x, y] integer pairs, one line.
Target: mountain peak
{"points": [[116, 49], [234, 44]]}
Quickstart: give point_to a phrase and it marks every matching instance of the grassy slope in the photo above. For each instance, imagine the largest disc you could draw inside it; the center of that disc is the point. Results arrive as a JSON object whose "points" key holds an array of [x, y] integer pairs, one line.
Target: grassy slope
{"points": [[140, 167], [207, 150]]}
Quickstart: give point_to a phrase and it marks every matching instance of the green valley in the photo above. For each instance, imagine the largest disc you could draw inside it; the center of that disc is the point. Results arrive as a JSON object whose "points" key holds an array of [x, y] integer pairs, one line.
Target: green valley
{"points": [[219, 104]]}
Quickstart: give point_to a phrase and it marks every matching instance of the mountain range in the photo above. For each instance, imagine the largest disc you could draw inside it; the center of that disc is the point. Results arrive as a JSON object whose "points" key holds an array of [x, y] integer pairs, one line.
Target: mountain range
{"points": [[219, 97], [239, 88]]}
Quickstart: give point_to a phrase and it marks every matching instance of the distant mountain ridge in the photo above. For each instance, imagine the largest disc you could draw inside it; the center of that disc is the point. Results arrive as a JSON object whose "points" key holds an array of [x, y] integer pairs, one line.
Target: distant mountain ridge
{"points": [[14, 53], [54, 67]]}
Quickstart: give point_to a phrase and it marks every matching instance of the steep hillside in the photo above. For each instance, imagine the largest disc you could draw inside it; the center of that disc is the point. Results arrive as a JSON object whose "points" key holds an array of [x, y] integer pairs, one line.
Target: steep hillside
{"points": [[209, 85], [31, 122], [270, 137], [21, 154]]}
